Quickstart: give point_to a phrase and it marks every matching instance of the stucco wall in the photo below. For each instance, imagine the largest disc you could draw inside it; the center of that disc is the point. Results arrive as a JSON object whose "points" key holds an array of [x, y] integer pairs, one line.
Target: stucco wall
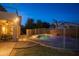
{"points": [[11, 18]]}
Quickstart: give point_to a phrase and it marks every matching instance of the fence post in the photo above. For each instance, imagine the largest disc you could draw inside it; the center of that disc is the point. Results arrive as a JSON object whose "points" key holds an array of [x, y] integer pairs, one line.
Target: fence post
{"points": [[64, 37], [76, 35]]}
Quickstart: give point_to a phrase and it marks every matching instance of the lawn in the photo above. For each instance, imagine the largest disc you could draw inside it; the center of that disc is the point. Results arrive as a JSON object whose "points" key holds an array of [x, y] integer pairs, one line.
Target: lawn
{"points": [[38, 50]]}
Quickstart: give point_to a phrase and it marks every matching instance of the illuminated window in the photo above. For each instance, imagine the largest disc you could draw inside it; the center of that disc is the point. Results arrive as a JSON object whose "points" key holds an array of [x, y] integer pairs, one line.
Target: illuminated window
{"points": [[3, 30]]}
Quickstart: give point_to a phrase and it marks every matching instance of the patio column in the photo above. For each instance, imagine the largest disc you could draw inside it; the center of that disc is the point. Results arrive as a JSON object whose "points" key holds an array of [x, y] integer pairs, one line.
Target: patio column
{"points": [[14, 34]]}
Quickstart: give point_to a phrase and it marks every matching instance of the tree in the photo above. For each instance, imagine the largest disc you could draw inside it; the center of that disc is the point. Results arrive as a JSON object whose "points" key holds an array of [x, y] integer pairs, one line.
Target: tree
{"points": [[39, 24], [23, 30], [2, 8], [46, 25], [56, 23], [30, 24]]}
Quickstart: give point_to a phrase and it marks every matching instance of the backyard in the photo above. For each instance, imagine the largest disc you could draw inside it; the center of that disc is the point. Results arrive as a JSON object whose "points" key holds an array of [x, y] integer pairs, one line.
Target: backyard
{"points": [[29, 48], [60, 37], [39, 50]]}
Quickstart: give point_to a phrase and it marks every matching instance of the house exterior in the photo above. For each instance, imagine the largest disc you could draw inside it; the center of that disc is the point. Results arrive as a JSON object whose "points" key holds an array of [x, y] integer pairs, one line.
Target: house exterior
{"points": [[10, 24]]}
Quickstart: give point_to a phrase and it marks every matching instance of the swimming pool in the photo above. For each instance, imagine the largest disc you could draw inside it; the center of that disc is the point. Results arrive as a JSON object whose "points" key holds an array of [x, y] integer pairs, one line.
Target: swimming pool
{"points": [[58, 41]]}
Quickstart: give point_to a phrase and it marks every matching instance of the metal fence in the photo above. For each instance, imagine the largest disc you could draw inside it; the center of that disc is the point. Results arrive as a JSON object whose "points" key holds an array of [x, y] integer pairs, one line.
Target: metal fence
{"points": [[64, 38], [71, 39]]}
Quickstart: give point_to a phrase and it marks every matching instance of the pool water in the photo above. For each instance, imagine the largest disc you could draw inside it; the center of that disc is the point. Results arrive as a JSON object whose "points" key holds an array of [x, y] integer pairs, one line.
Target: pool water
{"points": [[58, 41], [43, 37]]}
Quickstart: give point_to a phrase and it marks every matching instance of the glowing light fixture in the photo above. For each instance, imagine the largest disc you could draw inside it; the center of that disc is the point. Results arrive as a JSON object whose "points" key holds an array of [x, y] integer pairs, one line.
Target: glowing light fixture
{"points": [[16, 20], [4, 30]]}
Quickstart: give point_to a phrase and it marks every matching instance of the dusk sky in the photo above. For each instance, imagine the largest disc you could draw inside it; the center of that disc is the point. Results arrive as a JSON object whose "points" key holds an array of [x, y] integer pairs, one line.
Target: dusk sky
{"points": [[47, 12]]}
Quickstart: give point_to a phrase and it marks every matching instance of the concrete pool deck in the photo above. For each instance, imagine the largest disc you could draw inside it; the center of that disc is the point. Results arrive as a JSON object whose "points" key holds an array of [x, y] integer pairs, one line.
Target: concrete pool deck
{"points": [[13, 48], [59, 43], [6, 48]]}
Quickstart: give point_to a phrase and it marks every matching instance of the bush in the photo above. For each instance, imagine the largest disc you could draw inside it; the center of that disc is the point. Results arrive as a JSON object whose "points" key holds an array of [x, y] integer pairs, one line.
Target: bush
{"points": [[5, 37]]}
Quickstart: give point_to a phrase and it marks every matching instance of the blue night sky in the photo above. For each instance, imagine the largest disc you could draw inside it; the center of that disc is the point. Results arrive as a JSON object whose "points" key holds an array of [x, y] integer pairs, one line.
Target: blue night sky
{"points": [[47, 12]]}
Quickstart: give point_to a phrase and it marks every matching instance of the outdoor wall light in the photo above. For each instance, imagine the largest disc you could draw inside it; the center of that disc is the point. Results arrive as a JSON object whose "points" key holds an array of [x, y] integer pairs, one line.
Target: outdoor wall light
{"points": [[16, 20]]}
